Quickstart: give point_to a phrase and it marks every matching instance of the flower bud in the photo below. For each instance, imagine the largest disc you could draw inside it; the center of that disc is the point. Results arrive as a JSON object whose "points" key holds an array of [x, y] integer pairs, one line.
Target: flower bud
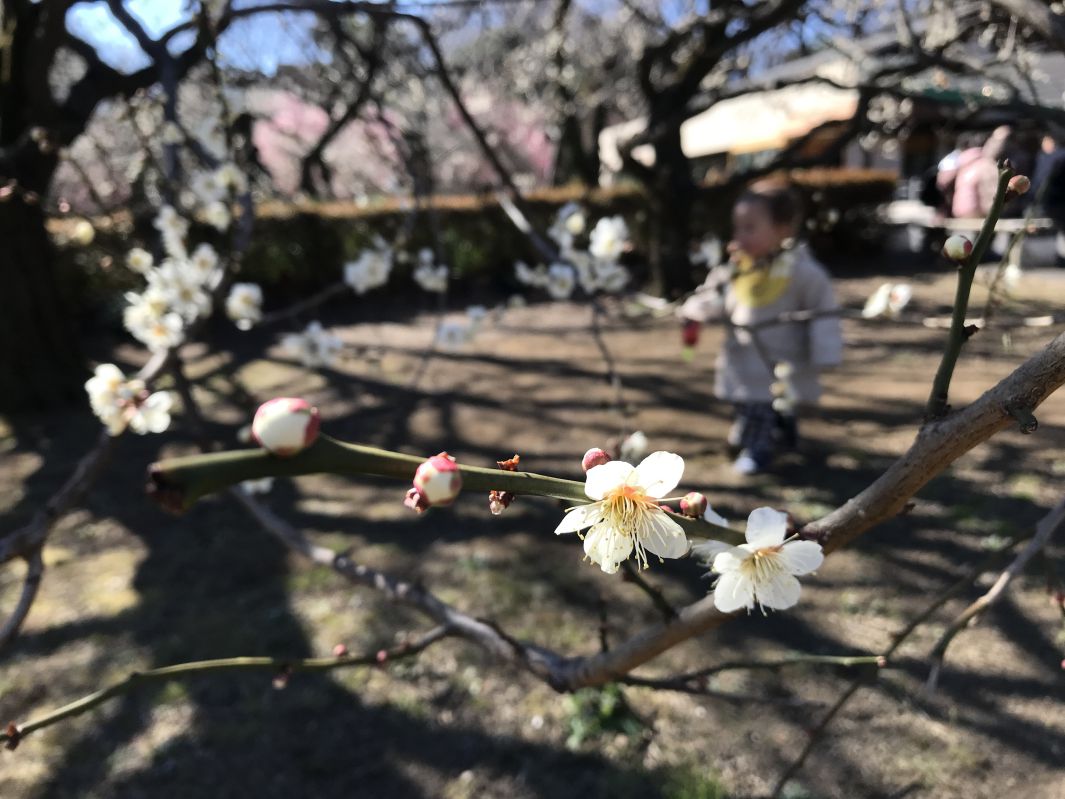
{"points": [[340, 650], [693, 504], [784, 405], [438, 480], [594, 457], [689, 334], [782, 371], [957, 248], [1018, 185], [285, 426]]}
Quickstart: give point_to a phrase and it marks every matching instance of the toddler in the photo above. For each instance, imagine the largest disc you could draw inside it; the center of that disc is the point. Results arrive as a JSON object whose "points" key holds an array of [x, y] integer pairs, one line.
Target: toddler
{"points": [[768, 367]]}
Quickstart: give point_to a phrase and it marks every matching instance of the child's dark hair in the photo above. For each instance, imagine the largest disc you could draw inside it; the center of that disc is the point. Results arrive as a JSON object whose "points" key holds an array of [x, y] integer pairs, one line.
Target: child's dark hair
{"points": [[780, 199]]}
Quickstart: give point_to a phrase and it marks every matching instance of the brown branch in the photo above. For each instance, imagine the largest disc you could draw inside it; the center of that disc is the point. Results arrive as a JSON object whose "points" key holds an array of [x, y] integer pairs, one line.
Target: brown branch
{"points": [[283, 667], [539, 661], [31, 582]]}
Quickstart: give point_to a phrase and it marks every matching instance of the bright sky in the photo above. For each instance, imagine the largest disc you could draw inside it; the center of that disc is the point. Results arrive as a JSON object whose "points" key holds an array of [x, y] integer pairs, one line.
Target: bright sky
{"points": [[259, 42]]}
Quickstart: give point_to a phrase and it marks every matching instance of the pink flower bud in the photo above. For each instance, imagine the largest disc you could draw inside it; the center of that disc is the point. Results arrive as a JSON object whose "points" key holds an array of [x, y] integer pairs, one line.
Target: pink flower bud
{"points": [[1019, 184], [340, 650], [957, 248], [689, 334], [286, 426], [438, 479], [693, 504], [594, 457]]}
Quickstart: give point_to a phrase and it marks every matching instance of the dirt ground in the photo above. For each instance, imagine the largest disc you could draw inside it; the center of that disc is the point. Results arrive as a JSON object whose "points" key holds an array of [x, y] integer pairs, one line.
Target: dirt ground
{"points": [[128, 587]]}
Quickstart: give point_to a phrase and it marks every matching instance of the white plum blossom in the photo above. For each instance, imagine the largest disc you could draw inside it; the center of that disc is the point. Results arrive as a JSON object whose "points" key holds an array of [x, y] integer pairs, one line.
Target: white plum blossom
{"points": [[173, 229], [152, 415], [529, 276], [217, 215], [82, 233], [710, 252], [148, 318], [171, 133], [1011, 276], [428, 274], [139, 260], [230, 176], [625, 516], [452, 335], [611, 277], [208, 187], [244, 305], [598, 275], [888, 300], [204, 261], [633, 447], [785, 396], [315, 346], [180, 283], [168, 221], [569, 222], [371, 269], [608, 238], [120, 403], [762, 571], [260, 486], [561, 280]]}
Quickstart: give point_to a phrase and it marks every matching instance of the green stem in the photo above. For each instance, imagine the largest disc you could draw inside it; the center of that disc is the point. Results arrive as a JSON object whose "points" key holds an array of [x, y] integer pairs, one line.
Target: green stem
{"points": [[182, 670], [937, 400], [177, 483]]}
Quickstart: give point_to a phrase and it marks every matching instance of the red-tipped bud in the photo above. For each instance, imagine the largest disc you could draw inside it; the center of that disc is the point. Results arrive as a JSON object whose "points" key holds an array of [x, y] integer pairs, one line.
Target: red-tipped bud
{"points": [[1018, 185], [693, 504], [382, 655], [957, 248], [285, 426], [689, 334], [594, 457], [339, 650], [438, 480]]}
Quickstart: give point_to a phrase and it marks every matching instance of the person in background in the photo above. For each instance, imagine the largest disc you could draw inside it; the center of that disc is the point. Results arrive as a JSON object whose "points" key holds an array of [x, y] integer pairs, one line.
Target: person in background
{"points": [[977, 177], [1048, 190], [767, 369]]}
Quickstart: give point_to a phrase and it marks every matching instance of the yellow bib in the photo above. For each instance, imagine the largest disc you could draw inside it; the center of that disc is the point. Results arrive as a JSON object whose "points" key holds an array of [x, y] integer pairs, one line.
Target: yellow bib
{"points": [[756, 285]]}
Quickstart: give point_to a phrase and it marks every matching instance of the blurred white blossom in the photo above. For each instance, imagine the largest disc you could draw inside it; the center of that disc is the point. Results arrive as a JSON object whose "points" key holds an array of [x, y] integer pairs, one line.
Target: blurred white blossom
{"points": [[244, 305], [371, 269], [314, 347], [120, 403], [608, 238]]}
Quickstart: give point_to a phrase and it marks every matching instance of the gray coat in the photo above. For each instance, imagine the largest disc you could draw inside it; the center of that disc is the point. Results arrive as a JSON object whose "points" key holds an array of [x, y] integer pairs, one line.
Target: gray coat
{"points": [[793, 281]]}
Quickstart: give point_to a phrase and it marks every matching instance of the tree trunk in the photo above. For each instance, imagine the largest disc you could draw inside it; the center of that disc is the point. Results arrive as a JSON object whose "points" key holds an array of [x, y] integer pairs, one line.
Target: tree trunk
{"points": [[40, 364], [40, 361], [672, 200]]}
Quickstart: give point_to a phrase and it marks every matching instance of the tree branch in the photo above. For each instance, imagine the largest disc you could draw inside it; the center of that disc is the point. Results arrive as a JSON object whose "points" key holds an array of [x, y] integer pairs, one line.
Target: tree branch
{"points": [[1045, 528]]}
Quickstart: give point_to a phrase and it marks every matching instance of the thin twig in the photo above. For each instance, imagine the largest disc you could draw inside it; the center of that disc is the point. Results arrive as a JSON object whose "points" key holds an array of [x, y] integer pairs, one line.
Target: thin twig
{"points": [[937, 400], [30, 584], [897, 640], [283, 666], [1045, 528], [632, 575]]}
